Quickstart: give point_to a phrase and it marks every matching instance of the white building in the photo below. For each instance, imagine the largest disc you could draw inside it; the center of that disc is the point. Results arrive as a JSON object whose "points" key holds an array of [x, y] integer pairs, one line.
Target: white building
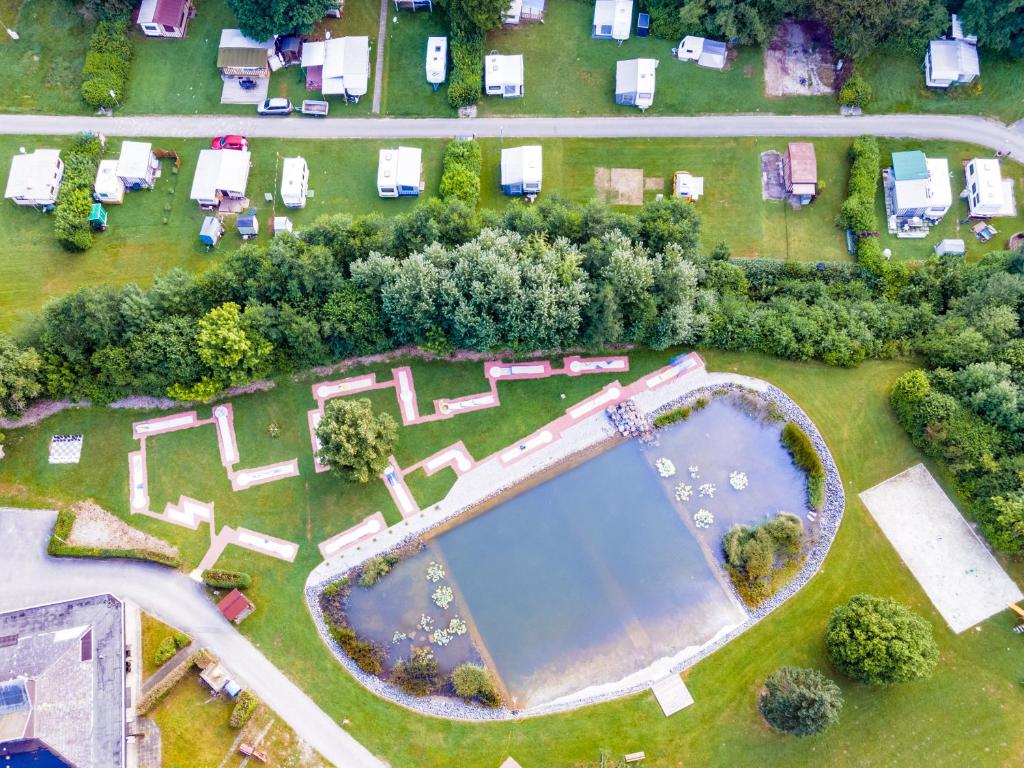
{"points": [[294, 182], [707, 53], [35, 178], [345, 62], [137, 166], [613, 19], [220, 175], [522, 170], [503, 75], [400, 172], [952, 60], [920, 187], [987, 192], [108, 187], [634, 82]]}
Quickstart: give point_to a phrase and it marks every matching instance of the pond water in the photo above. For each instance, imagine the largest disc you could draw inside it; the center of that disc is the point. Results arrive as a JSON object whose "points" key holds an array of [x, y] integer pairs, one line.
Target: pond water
{"points": [[598, 572]]}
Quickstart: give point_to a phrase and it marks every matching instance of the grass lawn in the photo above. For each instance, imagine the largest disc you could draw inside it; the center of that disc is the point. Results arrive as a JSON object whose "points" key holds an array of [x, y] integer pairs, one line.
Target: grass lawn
{"points": [[194, 732], [950, 227], [153, 633], [432, 489], [909, 725]]}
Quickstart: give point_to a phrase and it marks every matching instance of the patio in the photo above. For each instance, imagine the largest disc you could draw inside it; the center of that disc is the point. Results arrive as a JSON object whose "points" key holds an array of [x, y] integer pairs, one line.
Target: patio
{"points": [[234, 93]]}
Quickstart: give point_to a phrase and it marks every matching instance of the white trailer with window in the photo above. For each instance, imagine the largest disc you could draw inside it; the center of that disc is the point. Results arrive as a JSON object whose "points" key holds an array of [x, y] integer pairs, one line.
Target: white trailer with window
{"points": [[634, 82], [437, 60], [522, 170], [35, 178], [137, 165], [108, 187], [613, 20], [294, 182], [400, 172], [503, 75]]}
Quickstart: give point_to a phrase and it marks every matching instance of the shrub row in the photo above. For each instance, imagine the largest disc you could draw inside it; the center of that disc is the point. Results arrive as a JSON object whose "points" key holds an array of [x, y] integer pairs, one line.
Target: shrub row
{"points": [[369, 656], [806, 457], [679, 414], [858, 211], [71, 218], [107, 65], [245, 706], [466, 80], [155, 695], [59, 547], [219, 579], [460, 174]]}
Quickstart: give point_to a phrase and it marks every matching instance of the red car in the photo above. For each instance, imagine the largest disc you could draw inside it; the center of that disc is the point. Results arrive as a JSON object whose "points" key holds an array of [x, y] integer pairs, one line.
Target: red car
{"points": [[230, 142]]}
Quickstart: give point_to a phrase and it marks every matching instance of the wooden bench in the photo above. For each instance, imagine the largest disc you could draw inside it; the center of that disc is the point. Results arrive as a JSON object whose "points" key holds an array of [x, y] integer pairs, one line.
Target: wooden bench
{"points": [[634, 757], [250, 751]]}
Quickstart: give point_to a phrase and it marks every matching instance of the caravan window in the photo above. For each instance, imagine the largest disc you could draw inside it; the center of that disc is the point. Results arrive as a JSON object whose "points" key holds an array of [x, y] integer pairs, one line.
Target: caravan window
{"points": [[605, 29], [387, 190]]}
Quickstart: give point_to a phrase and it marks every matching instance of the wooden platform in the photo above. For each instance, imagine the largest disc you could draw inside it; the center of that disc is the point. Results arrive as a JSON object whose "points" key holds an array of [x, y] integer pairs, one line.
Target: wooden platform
{"points": [[672, 694]]}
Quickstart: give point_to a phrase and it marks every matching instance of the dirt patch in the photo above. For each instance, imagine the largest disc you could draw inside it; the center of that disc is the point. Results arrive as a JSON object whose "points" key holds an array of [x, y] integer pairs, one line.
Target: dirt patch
{"points": [[799, 60], [620, 186], [773, 184], [654, 184], [95, 527]]}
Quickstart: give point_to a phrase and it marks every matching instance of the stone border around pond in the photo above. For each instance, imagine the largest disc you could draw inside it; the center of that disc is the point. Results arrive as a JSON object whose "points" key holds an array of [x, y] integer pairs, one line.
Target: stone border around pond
{"points": [[828, 524]]}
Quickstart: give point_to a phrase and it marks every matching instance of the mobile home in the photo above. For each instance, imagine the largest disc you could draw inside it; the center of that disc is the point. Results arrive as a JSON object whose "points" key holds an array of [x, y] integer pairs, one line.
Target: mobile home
{"points": [[634, 82], [220, 176], [503, 75], [522, 170], [987, 192], [137, 166], [294, 182], [400, 172], [613, 19], [35, 178]]}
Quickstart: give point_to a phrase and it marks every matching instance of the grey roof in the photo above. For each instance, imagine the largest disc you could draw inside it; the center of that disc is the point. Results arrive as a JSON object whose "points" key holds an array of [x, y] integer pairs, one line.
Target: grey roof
{"points": [[69, 658]]}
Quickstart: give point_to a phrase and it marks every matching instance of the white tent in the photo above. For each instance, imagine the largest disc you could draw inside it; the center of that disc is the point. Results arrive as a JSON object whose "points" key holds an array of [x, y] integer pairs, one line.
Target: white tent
{"points": [[503, 75], [522, 170], [613, 19], [399, 172], [108, 187], [707, 53], [137, 166], [634, 82], [294, 182], [220, 174], [35, 178], [346, 66]]}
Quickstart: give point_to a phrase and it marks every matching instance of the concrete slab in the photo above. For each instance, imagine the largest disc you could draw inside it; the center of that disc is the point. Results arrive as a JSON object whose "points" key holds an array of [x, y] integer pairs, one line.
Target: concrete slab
{"points": [[672, 694], [953, 566]]}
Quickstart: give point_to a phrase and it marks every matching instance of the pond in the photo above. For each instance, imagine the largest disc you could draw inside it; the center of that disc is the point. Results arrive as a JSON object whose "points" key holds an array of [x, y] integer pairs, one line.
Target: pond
{"points": [[595, 574]]}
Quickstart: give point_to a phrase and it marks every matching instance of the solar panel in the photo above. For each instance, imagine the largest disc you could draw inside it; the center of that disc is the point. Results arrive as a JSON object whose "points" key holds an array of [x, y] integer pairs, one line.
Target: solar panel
{"points": [[13, 697]]}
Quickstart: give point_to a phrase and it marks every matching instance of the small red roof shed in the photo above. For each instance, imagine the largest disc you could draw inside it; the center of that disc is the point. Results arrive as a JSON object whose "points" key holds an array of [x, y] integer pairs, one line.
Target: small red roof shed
{"points": [[235, 606], [801, 168]]}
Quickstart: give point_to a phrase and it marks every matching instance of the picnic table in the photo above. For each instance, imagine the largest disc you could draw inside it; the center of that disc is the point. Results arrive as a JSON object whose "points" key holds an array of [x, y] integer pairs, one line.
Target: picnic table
{"points": [[250, 751]]}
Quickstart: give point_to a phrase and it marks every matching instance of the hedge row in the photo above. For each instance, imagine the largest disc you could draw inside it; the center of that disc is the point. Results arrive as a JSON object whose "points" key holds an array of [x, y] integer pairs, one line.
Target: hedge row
{"points": [[466, 82], [460, 174], [245, 705], [806, 457], [858, 211], [161, 689], [59, 547], [74, 201], [107, 65], [218, 579]]}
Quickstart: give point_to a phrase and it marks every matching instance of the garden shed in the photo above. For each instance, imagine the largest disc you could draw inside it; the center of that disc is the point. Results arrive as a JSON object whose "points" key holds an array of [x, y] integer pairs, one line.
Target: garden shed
{"points": [[613, 19], [108, 187], [235, 606], [707, 53], [220, 176], [137, 166], [952, 60], [165, 18], [240, 56], [522, 170], [400, 172], [35, 178], [345, 67], [634, 82], [521, 11], [294, 182], [800, 170], [503, 75]]}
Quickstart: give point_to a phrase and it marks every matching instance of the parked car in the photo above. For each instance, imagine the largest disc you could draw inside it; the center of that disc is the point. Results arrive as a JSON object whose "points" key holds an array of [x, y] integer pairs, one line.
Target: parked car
{"points": [[276, 106], [231, 141]]}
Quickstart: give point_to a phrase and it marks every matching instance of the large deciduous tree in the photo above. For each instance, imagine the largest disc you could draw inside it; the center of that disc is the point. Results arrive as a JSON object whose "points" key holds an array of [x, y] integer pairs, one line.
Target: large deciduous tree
{"points": [[800, 701], [999, 24], [262, 19], [861, 26], [877, 640], [19, 377], [354, 441]]}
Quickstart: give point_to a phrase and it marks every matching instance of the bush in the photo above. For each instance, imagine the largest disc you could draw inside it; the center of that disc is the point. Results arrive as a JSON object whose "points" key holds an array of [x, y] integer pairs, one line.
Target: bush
{"points": [[460, 175], [218, 579], [876, 640], [858, 211], [367, 655], [473, 682], [107, 65], [680, 414], [856, 92], [165, 651], [376, 569], [419, 674], [762, 558], [74, 201], [466, 80], [200, 660], [58, 546], [245, 706], [806, 457], [800, 701]]}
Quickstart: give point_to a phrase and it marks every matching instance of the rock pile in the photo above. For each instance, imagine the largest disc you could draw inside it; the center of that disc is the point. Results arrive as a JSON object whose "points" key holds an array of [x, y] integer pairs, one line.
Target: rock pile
{"points": [[629, 422]]}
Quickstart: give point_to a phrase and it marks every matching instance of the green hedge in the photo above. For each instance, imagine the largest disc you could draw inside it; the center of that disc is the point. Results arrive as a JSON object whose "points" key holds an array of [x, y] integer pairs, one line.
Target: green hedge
{"points": [[107, 65], [74, 201], [858, 211], [219, 579], [200, 659], [806, 457], [466, 81], [58, 546], [460, 175], [245, 705]]}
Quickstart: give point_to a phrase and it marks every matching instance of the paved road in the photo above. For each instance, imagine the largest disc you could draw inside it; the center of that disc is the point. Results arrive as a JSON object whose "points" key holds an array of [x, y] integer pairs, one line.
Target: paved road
{"points": [[967, 128], [29, 577]]}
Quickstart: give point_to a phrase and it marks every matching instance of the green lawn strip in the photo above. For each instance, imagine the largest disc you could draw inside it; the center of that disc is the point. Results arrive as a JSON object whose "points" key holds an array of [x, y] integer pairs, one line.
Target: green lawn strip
{"points": [[154, 632], [429, 490], [406, 90]]}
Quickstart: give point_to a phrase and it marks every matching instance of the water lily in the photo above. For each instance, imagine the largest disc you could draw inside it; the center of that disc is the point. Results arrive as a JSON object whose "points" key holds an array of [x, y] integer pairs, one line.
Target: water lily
{"points": [[703, 518], [665, 467], [708, 489], [398, 637], [694, 471], [684, 492], [443, 597], [738, 480], [435, 572]]}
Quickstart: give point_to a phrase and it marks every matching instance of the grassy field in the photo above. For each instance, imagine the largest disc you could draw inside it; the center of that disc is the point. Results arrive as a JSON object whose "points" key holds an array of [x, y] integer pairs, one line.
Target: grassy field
{"points": [[909, 725], [153, 633], [194, 732]]}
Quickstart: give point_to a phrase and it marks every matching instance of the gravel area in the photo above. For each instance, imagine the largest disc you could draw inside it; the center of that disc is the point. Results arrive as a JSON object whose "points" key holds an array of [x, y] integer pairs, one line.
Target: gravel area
{"points": [[828, 521], [95, 527]]}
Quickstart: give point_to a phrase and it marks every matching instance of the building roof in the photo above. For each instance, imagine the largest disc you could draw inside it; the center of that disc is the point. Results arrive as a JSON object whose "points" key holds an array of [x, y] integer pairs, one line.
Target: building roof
{"points": [[346, 66], [803, 165], [932, 191], [503, 69], [107, 180], [62, 682], [166, 12], [953, 60], [521, 164], [237, 50], [220, 169], [31, 173], [909, 166], [635, 76], [617, 14], [133, 163], [400, 167], [234, 605]]}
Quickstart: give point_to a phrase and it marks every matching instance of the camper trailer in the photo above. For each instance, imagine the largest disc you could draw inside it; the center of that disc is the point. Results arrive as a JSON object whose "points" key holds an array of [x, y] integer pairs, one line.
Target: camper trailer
{"points": [[503, 75], [634, 82], [35, 178], [437, 60], [294, 182], [613, 20], [522, 170], [221, 178], [137, 166], [400, 172], [108, 187]]}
